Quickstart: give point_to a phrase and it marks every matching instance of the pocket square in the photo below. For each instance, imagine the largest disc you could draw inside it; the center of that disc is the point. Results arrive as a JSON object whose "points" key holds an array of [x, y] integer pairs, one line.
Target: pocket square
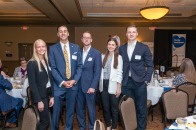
{"points": [[90, 59]]}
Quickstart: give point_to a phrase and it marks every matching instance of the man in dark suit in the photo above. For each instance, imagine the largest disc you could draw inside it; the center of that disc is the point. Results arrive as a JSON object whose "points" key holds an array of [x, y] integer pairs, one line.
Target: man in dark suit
{"points": [[88, 84], [137, 70], [8, 103], [66, 65]]}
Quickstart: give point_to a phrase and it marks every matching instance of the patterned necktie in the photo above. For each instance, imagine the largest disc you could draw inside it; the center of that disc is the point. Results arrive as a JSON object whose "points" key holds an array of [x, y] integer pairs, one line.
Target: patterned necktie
{"points": [[68, 73]]}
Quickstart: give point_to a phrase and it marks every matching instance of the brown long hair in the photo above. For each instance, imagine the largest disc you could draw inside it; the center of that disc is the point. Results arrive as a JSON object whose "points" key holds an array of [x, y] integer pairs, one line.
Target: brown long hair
{"points": [[188, 69], [115, 54]]}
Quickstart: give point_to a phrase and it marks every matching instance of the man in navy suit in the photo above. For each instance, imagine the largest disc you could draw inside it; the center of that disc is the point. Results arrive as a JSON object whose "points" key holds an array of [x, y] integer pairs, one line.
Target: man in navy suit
{"points": [[137, 70], [8, 102], [88, 84], [66, 71]]}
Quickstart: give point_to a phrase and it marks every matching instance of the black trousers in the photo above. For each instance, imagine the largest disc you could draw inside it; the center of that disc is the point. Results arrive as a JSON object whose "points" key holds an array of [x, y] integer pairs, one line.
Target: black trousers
{"points": [[110, 106], [44, 116], [138, 91]]}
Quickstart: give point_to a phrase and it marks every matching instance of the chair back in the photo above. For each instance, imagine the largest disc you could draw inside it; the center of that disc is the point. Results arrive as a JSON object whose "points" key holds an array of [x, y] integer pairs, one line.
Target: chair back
{"points": [[99, 125], [128, 113], [190, 88], [29, 102], [30, 118], [175, 104]]}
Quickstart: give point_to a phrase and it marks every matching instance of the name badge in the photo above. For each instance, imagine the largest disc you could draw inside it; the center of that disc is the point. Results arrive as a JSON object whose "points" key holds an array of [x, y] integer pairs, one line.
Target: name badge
{"points": [[74, 57], [137, 57], [90, 59]]}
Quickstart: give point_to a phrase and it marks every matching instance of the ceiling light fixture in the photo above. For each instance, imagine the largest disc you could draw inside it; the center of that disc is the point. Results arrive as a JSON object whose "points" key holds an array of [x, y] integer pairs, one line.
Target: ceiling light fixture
{"points": [[155, 11]]}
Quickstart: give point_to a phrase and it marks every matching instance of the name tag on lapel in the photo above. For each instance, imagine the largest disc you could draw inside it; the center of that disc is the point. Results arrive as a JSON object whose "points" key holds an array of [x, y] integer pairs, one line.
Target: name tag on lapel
{"points": [[137, 57], [74, 57], [90, 59]]}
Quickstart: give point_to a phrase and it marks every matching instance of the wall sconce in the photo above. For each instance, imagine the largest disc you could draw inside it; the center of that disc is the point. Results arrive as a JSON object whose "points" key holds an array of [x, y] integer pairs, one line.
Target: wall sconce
{"points": [[8, 54], [8, 43]]}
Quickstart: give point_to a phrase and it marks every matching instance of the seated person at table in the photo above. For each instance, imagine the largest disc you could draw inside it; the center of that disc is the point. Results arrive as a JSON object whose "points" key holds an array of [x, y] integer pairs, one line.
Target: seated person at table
{"points": [[186, 73], [8, 103], [21, 69]]}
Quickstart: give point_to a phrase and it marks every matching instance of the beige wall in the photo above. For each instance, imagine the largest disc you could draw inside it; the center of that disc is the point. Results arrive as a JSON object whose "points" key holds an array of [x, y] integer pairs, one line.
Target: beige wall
{"points": [[17, 35], [100, 35], [48, 34]]}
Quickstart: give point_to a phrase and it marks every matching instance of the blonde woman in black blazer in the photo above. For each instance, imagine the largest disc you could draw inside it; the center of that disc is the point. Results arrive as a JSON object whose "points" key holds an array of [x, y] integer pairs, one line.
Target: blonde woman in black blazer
{"points": [[40, 82]]}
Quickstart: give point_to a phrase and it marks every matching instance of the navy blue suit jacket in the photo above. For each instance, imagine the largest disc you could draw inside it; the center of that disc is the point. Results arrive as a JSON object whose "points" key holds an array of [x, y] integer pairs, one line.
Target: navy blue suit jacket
{"points": [[91, 70], [7, 102], [58, 66], [140, 65]]}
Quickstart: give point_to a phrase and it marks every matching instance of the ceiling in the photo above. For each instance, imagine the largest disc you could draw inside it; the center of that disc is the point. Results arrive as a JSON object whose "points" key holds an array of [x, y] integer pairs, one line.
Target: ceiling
{"points": [[93, 13]]}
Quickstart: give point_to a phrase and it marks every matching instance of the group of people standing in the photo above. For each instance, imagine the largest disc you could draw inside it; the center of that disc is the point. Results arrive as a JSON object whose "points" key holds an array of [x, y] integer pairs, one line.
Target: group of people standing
{"points": [[75, 75]]}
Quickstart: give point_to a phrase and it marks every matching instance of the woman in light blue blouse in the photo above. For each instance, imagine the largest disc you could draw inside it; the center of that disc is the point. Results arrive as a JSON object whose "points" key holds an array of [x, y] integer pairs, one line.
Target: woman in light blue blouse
{"points": [[110, 83]]}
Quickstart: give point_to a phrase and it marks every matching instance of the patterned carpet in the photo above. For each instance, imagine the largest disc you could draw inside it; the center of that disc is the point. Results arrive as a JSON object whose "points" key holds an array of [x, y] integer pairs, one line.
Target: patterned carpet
{"points": [[156, 124], [151, 125]]}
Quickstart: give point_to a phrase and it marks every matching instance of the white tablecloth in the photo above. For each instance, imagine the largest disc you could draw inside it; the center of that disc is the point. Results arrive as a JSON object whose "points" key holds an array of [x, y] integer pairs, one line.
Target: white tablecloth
{"points": [[17, 93], [154, 93], [190, 119]]}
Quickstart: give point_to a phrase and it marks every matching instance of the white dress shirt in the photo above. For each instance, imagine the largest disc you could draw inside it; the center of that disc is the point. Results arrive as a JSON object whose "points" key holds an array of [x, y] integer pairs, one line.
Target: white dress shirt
{"points": [[130, 49], [84, 54]]}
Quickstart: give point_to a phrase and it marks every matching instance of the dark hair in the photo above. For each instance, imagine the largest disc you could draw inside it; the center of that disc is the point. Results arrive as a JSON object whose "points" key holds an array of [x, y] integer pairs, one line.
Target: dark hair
{"points": [[61, 26], [23, 59], [115, 54]]}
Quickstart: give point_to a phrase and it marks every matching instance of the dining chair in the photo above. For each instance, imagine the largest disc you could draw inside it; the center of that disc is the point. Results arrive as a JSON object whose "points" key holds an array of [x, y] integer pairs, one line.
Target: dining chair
{"points": [[175, 104], [190, 88], [30, 118], [5, 115], [29, 101], [150, 108], [99, 125], [128, 113]]}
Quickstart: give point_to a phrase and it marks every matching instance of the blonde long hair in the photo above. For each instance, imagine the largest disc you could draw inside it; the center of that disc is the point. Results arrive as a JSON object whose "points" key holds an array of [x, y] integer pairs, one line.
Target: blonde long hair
{"points": [[35, 56], [188, 69]]}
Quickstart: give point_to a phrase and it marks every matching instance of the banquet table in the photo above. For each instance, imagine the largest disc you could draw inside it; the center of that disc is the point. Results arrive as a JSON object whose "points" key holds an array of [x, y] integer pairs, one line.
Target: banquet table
{"points": [[17, 90], [154, 92], [188, 126], [17, 93]]}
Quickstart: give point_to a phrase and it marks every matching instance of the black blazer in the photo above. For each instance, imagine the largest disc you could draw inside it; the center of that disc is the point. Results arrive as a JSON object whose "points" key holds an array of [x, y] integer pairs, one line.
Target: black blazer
{"points": [[38, 81]]}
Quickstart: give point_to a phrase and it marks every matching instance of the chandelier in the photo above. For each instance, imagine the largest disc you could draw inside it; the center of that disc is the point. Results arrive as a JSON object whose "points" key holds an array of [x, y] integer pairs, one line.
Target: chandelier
{"points": [[155, 11]]}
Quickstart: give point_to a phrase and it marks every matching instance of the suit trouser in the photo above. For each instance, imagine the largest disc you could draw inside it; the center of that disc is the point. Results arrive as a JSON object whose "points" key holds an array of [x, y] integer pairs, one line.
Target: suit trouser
{"points": [[82, 100], [44, 116], [70, 96], [13, 114], [138, 91], [110, 106]]}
